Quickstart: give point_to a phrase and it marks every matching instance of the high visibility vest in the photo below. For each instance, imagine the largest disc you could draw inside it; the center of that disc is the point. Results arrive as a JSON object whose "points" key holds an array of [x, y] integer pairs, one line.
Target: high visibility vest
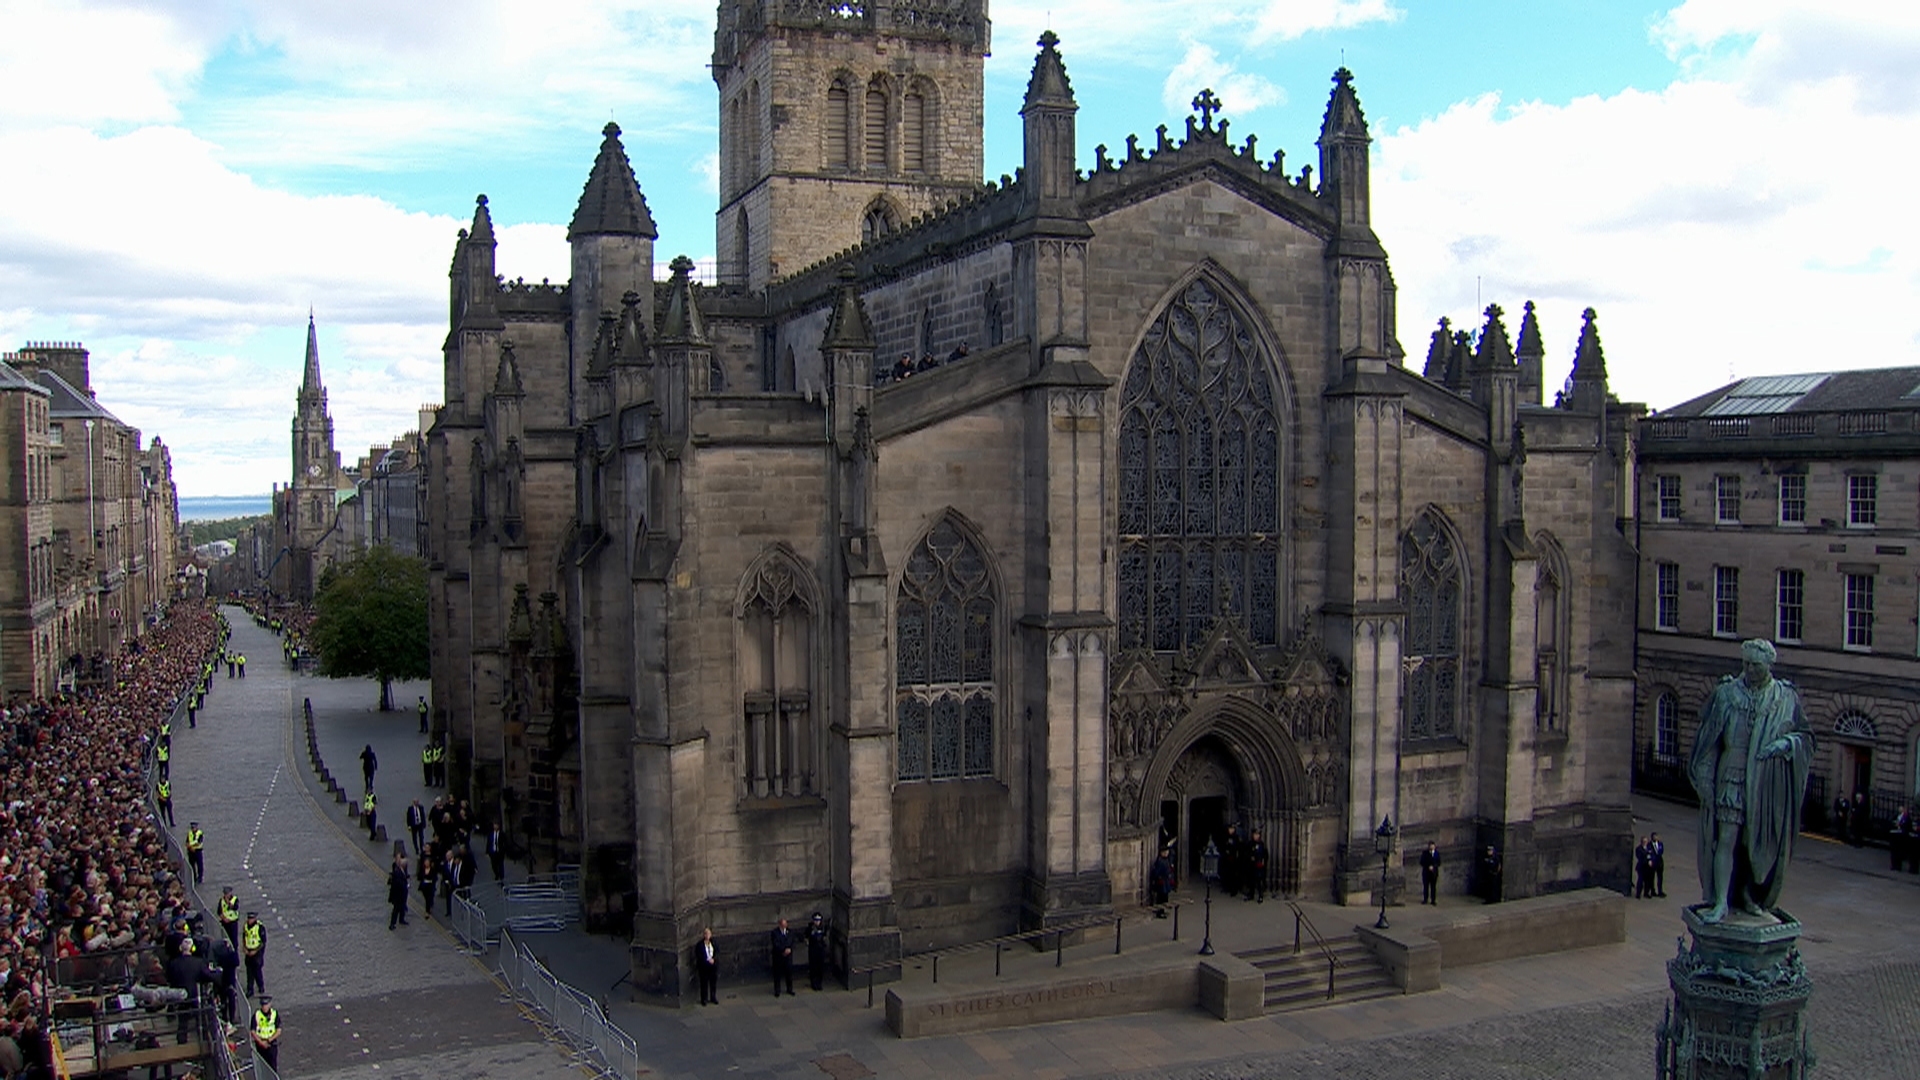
{"points": [[254, 938], [229, 909], [195, 838], [423, 708], [163, 751], [426, 755], [266, 1025], [366, 804], [165, 791], [166, 729], [439, 754]]}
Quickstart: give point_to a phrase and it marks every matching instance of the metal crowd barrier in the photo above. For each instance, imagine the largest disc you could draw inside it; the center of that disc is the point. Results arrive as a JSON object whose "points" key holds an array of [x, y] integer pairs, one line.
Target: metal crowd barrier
{"points": [[568, 1015], [470, 926], [542, 905]]}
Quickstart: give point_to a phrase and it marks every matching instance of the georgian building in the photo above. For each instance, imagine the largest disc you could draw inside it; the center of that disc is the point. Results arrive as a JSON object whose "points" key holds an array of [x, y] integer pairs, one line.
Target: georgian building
{"points": [[1785, 507], [747, 625]]}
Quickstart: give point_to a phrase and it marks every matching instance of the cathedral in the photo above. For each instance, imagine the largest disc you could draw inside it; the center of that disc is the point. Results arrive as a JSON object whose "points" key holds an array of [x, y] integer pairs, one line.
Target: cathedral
{"points": [[966, 541], [305, 538]]}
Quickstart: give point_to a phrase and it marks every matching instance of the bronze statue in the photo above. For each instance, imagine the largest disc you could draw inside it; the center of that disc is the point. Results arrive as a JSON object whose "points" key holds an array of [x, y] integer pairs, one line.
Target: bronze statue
{"points": [[1749, 767]]}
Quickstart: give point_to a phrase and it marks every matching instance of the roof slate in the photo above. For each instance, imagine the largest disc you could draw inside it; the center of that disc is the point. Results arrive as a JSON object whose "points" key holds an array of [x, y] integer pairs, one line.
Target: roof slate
{"points": [[1843, 391], [69, 404]]}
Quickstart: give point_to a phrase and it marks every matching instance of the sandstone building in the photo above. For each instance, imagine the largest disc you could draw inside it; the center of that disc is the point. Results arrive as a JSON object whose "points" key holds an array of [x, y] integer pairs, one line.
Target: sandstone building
{"points": [[1782, 506], [747, 625]]}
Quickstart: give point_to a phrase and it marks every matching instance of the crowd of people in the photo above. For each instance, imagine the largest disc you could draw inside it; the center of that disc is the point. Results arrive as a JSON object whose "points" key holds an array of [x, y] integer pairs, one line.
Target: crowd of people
{"points": [[83, 866]]}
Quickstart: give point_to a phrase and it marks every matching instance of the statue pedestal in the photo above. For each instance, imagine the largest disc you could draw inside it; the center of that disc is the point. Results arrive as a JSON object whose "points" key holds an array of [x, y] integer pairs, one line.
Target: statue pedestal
{"points": [[1739, 1002]]}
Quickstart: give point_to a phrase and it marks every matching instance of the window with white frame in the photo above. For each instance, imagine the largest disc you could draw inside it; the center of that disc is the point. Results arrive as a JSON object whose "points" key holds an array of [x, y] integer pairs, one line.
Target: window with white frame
{"points": [[1726, 600], [1863, 500], [1859, 597], [1666, 596], [1790, 611], [1666, 728], [1726, 500], [1666, 488], [1793, 499]]}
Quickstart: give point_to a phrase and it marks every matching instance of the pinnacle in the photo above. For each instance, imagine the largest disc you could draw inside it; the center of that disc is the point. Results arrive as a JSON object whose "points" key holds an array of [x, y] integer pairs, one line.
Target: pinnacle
{"points": [[1343, 109], [1049, 84], [611, 203]]}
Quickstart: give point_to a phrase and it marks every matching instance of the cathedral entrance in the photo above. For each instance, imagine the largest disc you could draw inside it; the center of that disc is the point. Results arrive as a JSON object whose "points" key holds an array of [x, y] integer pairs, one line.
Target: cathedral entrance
{"points": [[1203, 790], [1206, 823]]}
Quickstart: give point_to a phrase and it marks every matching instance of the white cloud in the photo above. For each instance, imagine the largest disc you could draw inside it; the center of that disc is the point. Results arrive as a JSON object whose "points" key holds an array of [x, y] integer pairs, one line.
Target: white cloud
{"points": [[83, 62], [1241, 92], [1707, 251], [1123, 28], [1285, 20]]}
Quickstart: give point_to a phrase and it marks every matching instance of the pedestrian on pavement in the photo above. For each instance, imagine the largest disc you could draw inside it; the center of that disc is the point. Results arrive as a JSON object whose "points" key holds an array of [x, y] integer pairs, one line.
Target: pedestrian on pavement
{"points": [[1255, 866], [253, 948], [162, 756], [497, 852], [449, 879], [163, 796], [1430, 874], [1860, 815], [1642, 870], [397, 892], [1160, 882], [816, 950], [368, 763], [196, 857], [706, 966], [228, 912], [1657, 863], [429, 875], [417, 825], [1841, 808], [426, 765], [369, 809], [242, 661], [469, 868], [782, 957], [266, 1034], [231, 658], [423, 715]]}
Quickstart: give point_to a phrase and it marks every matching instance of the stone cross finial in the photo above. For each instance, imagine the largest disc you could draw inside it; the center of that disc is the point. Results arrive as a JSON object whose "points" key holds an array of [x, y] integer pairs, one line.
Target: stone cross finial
{"points": [[1206, 104]]}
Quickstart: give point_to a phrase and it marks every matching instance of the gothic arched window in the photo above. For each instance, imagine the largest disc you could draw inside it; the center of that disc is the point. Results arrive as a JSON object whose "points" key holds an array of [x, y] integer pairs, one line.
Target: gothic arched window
{"points": [[839, 122], [945, 703], [776, 679], [1430, 587], [916, 130], [1551, 628], [877, 125], [880, 220], [1199, 480]]}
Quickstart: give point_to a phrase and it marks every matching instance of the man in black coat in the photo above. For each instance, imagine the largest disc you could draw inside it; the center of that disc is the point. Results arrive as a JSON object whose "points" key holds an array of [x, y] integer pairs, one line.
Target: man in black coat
{"points": [[188, 972], [497, 853], [816, 951], [1253, 867], [1490, 875], [706, 967], [417, 825], [782, 945], [397, 892], [1230, 861], [1657, 864], [1430, 874]]}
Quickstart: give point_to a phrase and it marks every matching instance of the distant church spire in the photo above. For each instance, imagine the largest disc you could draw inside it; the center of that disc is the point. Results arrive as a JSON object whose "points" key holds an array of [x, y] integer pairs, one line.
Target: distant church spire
{"points": [[310, 382], [1531, 354]]}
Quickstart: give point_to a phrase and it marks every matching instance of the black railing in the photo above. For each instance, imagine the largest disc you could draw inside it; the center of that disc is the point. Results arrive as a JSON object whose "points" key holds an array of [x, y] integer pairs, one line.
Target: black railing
{"points": [[1302, 922], [1657, 774], [999, 946]]}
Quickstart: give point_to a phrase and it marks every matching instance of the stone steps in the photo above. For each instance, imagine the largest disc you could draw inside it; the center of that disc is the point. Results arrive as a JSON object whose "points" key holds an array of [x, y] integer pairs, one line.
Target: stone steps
{"points": [[1300, 981]]}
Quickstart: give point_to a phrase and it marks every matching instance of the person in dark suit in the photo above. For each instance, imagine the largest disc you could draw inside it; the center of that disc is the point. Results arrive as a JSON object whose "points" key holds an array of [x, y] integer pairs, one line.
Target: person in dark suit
{"points": [[816, 951], [417, 825], [782, 943], [397, 892], [1489, 880], [1160, 883], [1642, 870], [1657, 864], [1230, 862], [1253, 866], [706, 967], [1430, 874], [497, 852]]}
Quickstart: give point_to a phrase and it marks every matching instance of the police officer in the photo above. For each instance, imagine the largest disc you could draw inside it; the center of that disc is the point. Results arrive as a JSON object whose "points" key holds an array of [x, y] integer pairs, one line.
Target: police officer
{"points": [[228, 911], [426, 765], [423, 715], [253, 947], [196, 840], [266, 1032], [242, 661], [161, 755], [163, 795], [816, 950], [369, 811]]}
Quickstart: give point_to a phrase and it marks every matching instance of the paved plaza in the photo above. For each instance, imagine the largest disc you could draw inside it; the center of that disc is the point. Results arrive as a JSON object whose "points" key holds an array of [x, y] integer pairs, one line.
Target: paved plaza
{"points": [[359, 1001]]}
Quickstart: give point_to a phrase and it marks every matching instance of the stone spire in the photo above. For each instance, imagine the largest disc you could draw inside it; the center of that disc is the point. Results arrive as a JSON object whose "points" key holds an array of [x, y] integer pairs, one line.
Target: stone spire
{"points": [[1048, 84], [1047, 123], [682, 324], [1496, 351], [506, 378], [611, 204], [630, 344], [1531, 354], [847, 327], [310, 385], [1344, 167], [482, 229], [1439, 350], [1589, 378]]}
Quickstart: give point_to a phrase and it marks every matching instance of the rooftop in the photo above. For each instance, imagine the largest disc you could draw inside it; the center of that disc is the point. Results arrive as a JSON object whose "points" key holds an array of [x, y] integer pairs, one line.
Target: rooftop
{"points": [[1812, 392]]}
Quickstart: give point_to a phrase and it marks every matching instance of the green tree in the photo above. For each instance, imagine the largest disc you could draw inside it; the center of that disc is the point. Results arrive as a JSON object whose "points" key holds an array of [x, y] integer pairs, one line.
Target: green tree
{"points": [[371, 620], [206, 532]]}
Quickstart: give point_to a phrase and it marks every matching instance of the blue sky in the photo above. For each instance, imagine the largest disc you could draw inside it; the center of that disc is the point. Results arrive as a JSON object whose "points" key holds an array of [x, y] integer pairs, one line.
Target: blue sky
{"points": [[185, 178]]}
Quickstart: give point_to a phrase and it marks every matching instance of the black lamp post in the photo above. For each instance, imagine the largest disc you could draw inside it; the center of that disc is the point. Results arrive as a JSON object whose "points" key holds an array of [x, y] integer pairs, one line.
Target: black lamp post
{"points": [[1383, 843], [1210, 872]]}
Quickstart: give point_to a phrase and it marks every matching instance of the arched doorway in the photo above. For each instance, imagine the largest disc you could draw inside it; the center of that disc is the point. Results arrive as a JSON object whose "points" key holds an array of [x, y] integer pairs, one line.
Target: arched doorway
{"points": [[1228, 761], [1202, 798]]}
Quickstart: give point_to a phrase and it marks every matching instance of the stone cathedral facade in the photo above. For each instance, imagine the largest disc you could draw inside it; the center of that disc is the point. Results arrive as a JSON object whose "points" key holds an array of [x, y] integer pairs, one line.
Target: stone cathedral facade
{"points": [[748, 626]]}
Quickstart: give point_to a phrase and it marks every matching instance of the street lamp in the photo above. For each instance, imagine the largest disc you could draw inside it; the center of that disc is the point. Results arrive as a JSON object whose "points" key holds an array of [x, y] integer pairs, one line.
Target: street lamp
{"points": [[1383, 843], [1210, 872]]}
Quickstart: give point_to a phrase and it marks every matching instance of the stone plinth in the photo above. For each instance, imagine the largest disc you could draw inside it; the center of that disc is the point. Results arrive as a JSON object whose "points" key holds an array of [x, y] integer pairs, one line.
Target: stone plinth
{"points": [[1739, 1002]]}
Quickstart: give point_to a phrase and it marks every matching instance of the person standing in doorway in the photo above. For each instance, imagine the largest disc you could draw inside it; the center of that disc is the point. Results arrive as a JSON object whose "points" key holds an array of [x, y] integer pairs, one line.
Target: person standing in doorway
{"points": [[1430, 874], [1254, 866]]}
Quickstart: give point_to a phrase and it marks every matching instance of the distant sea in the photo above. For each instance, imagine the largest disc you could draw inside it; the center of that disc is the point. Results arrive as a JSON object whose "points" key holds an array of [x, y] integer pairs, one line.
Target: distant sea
{"points": [[220, 507]]}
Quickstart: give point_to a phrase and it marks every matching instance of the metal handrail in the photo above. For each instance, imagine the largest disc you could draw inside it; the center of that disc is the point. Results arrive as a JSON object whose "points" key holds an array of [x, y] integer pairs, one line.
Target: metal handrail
{"points": [[1300, 919], [998, 944]]}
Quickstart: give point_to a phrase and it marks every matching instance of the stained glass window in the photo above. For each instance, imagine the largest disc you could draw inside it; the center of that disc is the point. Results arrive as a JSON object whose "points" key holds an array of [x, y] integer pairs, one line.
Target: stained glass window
{"points": [[943, 663], [776, 675], [1430, 587], [1199, 481]]}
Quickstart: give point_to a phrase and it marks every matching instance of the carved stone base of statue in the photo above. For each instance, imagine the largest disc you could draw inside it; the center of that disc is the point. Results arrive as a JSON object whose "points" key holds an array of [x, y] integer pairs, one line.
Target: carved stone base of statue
{"points": [[1739, 1002]]}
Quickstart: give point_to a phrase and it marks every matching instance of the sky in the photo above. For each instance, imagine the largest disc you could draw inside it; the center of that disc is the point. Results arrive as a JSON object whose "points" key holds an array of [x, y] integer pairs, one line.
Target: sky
{"points": [[181, 181]]}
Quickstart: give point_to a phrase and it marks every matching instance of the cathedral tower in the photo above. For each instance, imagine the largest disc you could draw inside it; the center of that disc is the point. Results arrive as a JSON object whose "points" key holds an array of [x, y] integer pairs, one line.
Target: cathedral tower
{"points": [[839, 123], [316, 469]]}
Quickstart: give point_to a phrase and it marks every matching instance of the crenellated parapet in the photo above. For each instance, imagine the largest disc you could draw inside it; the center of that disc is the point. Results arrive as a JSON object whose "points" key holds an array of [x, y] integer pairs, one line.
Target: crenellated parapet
{"points": [[962, 23], [1141, 171], [524, 301], [961, 226]]}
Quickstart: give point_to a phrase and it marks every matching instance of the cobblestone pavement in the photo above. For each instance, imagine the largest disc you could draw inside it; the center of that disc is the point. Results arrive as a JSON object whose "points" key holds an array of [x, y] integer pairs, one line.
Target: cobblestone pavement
{"points": [[355, 999], [361, 1003]]}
